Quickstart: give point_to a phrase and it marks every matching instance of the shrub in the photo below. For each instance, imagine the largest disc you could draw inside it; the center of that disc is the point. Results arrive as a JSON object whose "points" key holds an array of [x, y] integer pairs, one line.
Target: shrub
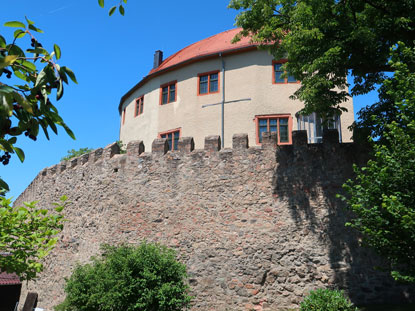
{"points": [[146, 278], [327, 300], [76, 153]]}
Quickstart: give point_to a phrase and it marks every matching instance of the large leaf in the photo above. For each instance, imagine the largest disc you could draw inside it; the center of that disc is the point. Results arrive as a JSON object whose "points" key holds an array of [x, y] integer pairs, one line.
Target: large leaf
{"points": [[101, 3], [121, 9], [7, 61], [15, 24]]}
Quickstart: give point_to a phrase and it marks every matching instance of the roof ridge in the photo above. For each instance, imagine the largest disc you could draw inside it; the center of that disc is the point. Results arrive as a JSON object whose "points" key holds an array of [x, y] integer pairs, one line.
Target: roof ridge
{"points": [[189, 46]]}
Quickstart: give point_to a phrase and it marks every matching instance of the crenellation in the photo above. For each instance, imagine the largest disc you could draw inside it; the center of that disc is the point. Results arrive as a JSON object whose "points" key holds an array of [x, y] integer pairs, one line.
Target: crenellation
{"points": [[186, 144], [110, 150], [269, 140], [84, 158], [73, 162], [135, 148], [252, 224], [52, 170], [330, 137], [299, 138], [160, 146], [62, 166], [212, 143]]}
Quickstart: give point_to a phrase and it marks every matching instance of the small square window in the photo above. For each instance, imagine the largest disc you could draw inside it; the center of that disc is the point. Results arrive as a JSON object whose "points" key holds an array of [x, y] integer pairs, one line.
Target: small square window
{"points": [[208, 83]]}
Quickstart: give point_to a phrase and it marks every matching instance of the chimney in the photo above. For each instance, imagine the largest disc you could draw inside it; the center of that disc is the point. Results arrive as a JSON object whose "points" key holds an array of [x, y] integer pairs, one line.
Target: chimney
{"points": [[158, 58]]}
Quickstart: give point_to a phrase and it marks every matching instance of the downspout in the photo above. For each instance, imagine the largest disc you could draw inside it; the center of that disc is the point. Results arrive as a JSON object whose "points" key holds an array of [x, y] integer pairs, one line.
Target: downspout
{"points": [[223, 101]]}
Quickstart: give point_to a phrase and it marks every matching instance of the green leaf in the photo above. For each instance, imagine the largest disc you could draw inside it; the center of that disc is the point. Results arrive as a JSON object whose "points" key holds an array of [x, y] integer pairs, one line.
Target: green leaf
{"points": [[19, 153], [29, 65], [2, 42], [4, 185], [59, 92], [125, 1], [19, 34], [57, 50], [101, 3], [15, 50], [6, 89], [34, 28], [20, 75], [7, 61], [15, 24], [70, 73], [69, 131], [28, 21], [41, 77], [121, 9], [112, 10]]}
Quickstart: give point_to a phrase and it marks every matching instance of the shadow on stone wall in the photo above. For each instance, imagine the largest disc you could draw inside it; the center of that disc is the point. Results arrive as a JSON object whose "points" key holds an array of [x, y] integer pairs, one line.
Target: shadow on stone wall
{"points": [[307, 178]]}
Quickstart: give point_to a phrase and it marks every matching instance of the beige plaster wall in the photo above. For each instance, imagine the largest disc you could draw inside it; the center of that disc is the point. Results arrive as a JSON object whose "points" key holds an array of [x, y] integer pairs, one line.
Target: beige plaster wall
{"points": [[247, 75]]}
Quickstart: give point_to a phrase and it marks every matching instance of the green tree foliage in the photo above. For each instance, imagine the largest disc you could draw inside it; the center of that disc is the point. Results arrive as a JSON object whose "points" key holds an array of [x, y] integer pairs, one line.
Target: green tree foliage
{"points": [[76, 153], [114, 8], [383, 194], [27, 234], [324, 40], [327, 300], [126, 278], [26, 105]]}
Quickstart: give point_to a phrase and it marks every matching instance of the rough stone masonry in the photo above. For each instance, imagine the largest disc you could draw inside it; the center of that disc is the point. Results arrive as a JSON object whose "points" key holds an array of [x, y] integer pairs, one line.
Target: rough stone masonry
{"points": [[257, 227]]}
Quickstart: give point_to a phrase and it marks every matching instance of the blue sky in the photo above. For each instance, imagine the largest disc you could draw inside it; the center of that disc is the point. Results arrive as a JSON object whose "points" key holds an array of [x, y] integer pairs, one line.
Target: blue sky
{"points": [[109, 55]]}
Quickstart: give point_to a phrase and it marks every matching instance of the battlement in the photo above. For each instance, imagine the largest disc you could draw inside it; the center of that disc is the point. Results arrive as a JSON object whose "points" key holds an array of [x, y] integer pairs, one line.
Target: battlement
{"points": [[160, 147], [258, 227]]}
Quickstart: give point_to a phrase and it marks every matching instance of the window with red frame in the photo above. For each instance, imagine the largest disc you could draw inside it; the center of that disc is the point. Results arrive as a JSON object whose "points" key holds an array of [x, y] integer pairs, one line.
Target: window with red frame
{"points": [[139, 106], [172, 138], [274, 124], [209, 83], [168, 93], [278, 71]]}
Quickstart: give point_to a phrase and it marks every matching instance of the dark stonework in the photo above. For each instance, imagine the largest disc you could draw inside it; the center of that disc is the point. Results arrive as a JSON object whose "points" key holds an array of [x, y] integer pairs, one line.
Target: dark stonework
{"points": [[84, 158], [186, 144], [212, 143], [256, 229], [299, 138], [330, 136], [111, 150], [240, 141], [160, 146], [135, 147], [269, 140]]}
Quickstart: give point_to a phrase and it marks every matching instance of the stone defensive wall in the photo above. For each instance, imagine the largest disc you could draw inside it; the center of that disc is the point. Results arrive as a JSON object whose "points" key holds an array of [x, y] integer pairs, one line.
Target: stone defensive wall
{"points": [[257, 227]]}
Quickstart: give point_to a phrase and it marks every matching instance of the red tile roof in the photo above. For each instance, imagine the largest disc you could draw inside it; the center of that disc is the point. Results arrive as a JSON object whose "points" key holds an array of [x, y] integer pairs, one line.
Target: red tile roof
{"points": [[206, 47], [209, 47], [9, 279]]}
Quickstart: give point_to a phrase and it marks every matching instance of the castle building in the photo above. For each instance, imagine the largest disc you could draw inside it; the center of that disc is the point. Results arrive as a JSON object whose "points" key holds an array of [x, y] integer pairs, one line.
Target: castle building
{"points": [[216, 87]]}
